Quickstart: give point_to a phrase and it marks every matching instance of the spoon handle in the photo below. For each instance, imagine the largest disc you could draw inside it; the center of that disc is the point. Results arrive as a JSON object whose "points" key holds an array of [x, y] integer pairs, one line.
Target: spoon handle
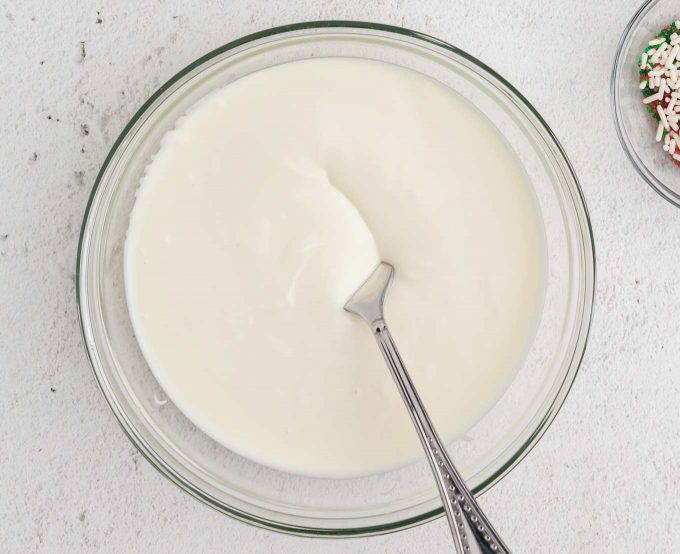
{"points": [[472, 531]]}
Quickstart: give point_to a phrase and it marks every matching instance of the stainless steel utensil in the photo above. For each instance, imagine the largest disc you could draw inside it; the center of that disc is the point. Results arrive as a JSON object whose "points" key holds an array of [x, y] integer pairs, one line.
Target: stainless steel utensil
{"points": [[472, 532]]}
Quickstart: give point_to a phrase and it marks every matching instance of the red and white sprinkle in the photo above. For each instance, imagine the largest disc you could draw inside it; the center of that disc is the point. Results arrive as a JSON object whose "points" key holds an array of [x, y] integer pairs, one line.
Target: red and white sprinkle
{"points": [[662, 78]]}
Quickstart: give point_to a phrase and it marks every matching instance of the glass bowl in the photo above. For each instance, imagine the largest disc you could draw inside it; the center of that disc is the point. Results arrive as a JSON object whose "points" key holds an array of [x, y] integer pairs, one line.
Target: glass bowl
{"points": [[335, 507], [634, 126]]}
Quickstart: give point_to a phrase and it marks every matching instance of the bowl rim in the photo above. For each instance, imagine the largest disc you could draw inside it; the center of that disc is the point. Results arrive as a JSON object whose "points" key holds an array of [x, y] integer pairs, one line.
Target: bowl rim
{"points": [[617, 68], [581, 332]]}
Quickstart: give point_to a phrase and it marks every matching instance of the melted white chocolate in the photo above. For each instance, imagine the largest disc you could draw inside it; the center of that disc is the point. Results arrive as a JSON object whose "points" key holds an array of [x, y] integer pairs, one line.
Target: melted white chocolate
{"points": [[271, 202]]}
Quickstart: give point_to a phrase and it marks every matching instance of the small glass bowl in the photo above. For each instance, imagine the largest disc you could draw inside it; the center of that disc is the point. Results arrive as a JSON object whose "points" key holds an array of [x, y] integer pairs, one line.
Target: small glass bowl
{"points": [[335, 507], [634, 126]]}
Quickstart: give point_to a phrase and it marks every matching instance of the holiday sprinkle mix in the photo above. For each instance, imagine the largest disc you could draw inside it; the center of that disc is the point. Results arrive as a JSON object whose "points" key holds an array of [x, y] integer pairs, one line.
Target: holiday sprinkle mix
{"points": [[660, 86]]}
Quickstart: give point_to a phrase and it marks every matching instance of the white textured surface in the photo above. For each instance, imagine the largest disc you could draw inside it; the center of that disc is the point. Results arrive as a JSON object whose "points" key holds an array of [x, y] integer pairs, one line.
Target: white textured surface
{"points": [[606, 476]]}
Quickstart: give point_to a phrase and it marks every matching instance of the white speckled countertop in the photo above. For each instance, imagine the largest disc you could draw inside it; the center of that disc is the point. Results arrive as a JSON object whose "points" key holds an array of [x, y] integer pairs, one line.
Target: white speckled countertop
{"points": [[606, 476]]}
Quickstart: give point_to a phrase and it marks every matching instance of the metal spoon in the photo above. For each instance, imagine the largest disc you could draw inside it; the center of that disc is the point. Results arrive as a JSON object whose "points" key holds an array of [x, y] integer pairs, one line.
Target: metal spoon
{"points": [[472, 532]]}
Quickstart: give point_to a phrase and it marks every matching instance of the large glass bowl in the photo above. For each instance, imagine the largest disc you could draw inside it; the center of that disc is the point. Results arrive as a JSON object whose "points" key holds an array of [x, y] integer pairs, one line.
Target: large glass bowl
{"points": [[634, 126], [335, 507]]}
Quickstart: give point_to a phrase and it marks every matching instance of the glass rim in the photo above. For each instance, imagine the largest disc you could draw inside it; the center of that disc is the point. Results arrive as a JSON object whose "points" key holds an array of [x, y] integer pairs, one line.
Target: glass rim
{"points": [[582, 321]]}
